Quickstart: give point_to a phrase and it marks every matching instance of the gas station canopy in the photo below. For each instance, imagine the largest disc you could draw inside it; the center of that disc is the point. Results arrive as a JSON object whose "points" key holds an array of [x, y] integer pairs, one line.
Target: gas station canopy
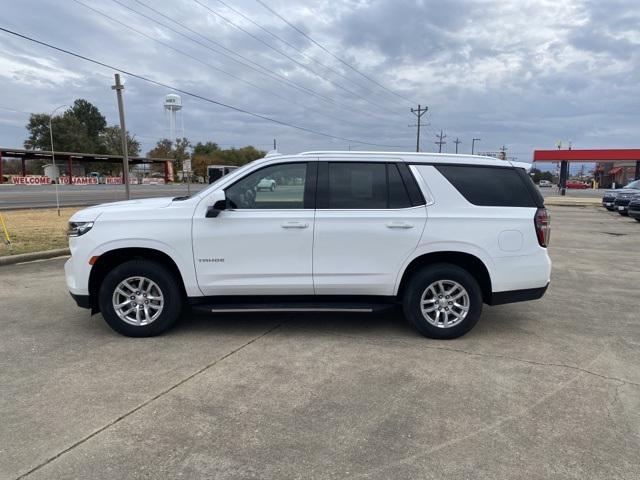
{"points": [[603, 155]]}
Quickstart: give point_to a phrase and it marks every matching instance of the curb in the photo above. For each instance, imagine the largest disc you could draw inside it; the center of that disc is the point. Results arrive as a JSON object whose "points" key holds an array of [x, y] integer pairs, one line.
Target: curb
{"points": [[561, 202], [29, 257]]}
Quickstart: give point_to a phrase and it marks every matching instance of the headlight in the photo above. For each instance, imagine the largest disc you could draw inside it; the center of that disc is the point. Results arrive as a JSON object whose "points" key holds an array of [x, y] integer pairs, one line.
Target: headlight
{"points": [[79, 228]]}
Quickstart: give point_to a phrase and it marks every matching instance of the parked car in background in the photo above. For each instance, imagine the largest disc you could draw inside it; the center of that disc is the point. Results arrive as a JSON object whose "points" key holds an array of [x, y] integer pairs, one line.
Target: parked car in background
{"points": [[545, 184], [634, 207], [609, 197], [266, 184], [98, 176], [577, 185], [621, 203]]}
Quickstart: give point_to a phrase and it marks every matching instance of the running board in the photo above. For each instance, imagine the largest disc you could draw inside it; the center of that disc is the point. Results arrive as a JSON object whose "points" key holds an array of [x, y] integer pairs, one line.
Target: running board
{"points": [[293, 307]]}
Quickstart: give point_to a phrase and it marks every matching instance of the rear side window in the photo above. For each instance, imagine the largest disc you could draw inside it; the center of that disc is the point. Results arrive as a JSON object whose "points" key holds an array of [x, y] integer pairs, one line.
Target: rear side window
{"points": [[357, 185], [363, 185], [398, 196], [490, 186]]}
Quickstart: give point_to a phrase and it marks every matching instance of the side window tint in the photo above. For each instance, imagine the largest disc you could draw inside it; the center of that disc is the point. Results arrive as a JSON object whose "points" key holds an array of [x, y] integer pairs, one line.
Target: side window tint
{"points": [[488, 186], [278, 186], [398, 196], [357, 185]]}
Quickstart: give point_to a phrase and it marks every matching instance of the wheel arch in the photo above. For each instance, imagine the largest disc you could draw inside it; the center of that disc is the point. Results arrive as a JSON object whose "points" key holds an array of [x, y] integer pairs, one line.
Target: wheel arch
{"points": [[107, 261], [471, 263]]}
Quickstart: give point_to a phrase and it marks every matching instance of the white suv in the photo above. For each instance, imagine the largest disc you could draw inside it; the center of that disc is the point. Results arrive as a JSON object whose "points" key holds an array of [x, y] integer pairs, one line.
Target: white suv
{"points": [[344, 231]]}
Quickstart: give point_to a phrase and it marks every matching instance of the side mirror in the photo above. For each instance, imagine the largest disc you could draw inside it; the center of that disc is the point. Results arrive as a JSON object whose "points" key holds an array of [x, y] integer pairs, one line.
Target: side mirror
{"points": [[214, 210], [219, 204]]}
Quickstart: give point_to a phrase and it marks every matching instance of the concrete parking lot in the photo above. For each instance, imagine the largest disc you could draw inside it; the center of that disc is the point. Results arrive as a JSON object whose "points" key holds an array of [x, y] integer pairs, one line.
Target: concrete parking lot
{"points": [[545, 389]]}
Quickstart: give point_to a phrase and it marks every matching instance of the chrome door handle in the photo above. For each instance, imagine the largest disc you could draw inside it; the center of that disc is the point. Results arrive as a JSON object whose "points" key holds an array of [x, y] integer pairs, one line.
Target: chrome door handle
{"points": [[294, 225], [399, 225]]}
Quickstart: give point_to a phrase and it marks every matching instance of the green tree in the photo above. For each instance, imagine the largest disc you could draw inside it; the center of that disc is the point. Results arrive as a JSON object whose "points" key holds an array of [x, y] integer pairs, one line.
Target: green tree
{"points": [[77, 129], [205, 154], [111, 140], [90, 117]]}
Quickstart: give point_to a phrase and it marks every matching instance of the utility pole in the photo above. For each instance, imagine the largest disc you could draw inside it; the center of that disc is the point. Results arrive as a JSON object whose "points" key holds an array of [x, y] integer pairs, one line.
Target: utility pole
{"points": [[473, 144], [274, 144], [118, 87], [441, 141], [419, 112], [457, 142]]}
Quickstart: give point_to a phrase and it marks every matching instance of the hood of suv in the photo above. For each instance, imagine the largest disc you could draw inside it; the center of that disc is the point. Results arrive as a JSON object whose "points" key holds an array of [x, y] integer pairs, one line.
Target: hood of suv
{"points": [[91, 213], [625, 195]]}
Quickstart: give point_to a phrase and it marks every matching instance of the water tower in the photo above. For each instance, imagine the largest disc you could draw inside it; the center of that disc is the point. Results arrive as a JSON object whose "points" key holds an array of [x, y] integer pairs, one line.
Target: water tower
{"points": [[173, 105]]}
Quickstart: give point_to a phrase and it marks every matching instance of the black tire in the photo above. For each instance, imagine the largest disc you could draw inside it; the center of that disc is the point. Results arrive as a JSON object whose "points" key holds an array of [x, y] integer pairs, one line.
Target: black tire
{"points": [[162, 277], [637, 219], [427, 276]]}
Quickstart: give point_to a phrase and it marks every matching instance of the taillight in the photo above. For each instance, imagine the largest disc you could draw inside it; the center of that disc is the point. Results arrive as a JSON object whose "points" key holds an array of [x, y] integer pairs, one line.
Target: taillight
{"points": [[542, 222]]}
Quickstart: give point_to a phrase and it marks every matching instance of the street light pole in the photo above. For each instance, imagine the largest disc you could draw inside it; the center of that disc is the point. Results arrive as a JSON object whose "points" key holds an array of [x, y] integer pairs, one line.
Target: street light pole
{"points": [[473, 144], [53, 155]]}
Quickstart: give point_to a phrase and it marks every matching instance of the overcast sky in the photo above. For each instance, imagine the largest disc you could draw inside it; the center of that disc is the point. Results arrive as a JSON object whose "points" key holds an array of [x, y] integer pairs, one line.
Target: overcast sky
{"points": [[523, 73]]}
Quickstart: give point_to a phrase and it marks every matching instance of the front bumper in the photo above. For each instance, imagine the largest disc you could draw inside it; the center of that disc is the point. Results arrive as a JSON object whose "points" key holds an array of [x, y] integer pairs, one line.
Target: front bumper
{"points": [[622, 206], [83, 301], [76, 274], [634, 211]]}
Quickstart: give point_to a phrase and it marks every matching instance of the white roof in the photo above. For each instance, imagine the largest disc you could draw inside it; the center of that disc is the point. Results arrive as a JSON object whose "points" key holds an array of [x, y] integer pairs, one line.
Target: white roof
{"points": [[417, 157]]}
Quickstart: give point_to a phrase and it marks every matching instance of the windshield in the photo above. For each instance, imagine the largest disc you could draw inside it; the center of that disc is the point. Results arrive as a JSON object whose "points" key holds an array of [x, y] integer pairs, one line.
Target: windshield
{"points": [[635, 184]]}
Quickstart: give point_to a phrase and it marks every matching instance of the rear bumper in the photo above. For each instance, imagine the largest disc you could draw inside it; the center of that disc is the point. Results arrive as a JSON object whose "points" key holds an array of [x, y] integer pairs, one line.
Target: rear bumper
{"points": [[513, 296]]}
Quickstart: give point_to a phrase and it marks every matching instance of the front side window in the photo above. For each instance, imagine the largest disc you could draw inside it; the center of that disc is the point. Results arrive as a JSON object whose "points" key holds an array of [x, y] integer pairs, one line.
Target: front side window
{"points": [[275, 187]]}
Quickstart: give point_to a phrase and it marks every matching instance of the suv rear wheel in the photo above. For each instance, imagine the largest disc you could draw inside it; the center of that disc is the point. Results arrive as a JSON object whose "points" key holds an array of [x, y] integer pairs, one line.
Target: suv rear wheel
{"points": [[443, 301], [140, 298]]}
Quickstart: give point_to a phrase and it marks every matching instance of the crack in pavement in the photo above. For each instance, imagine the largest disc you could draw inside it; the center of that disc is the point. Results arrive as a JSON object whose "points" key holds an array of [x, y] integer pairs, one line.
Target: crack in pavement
{"points": [[487, 428], [478, 354], [147, 402]]}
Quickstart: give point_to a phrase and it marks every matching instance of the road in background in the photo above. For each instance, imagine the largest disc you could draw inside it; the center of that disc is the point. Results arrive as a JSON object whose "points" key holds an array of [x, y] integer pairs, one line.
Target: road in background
{"points": [[27, 196]]}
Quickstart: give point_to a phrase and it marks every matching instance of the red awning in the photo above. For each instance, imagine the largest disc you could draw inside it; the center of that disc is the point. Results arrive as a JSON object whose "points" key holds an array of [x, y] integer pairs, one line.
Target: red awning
{"points": [[615, 170]]}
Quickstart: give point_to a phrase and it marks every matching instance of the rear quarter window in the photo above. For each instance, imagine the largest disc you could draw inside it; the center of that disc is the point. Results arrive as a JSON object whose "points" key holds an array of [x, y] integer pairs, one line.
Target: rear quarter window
{"points": [[492, 186]]}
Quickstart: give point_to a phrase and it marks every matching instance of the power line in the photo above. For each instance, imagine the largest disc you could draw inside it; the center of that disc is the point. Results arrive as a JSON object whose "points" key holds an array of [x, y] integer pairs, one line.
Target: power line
{"points": [[191, 94], [213, 67], [284, 54], [288, 100], [290, 45], [260, 68], [331, 53]]}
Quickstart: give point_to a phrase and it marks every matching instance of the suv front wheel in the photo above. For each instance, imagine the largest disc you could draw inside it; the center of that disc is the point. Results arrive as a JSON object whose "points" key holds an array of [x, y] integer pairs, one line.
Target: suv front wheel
{"points": [[443, 301], [140, 298]]}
